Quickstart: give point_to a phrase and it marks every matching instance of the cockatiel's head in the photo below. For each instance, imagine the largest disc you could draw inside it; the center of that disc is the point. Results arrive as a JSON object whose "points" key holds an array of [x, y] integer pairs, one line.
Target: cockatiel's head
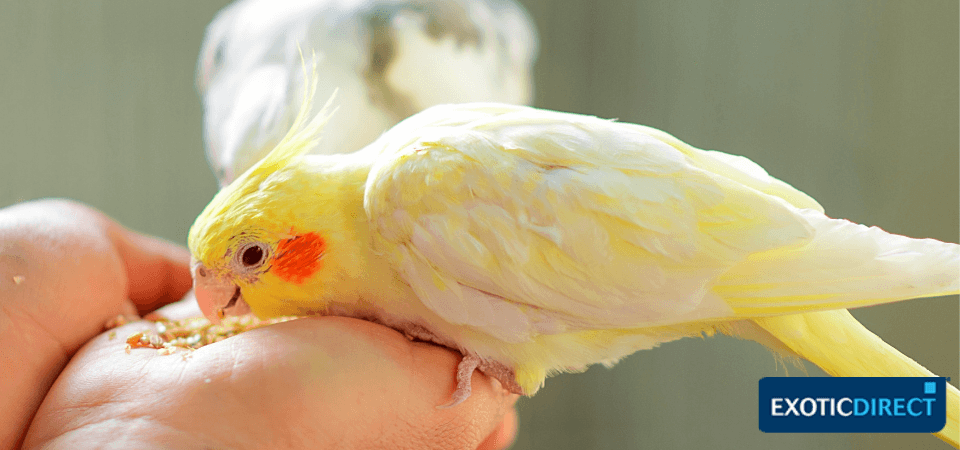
{"points": [[252, 242]]}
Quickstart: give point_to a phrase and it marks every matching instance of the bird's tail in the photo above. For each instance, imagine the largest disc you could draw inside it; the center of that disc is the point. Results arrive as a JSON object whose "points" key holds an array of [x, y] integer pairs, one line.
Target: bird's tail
{"points": [[799, 297], [841, 346], [845, 266]]}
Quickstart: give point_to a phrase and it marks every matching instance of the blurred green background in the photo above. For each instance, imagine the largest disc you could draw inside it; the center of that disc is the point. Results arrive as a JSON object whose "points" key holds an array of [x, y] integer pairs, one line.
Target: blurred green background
{"points": [[854, 102]]}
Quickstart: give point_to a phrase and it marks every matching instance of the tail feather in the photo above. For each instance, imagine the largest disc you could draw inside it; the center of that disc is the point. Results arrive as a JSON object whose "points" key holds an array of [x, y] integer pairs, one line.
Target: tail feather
{"points": [[846, 265], [841, 346]]}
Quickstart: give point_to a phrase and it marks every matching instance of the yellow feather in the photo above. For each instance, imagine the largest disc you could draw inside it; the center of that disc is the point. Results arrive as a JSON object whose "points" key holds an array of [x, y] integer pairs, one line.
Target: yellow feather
{"points": [[842, 347], [306, 129]]}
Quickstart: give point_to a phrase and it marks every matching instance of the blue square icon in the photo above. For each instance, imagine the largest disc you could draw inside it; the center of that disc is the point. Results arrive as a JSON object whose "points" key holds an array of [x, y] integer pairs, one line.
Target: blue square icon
{"points": [[929, 387]]}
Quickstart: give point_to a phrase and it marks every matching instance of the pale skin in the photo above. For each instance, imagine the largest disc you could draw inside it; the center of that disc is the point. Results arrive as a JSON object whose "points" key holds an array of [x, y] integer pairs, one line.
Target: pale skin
{"points": [[66, 269]]}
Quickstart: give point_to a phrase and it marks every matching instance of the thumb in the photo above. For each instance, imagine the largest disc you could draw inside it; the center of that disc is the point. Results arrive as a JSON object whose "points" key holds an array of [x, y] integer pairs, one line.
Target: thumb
{"points": [[158, 271]]}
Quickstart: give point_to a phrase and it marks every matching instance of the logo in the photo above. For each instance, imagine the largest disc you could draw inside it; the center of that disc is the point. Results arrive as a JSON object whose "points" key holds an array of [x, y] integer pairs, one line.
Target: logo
{"points": [[852, 405]]}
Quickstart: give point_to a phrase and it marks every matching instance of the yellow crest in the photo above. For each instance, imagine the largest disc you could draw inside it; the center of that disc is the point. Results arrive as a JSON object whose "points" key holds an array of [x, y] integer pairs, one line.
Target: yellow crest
{"points": [[304, 133]]}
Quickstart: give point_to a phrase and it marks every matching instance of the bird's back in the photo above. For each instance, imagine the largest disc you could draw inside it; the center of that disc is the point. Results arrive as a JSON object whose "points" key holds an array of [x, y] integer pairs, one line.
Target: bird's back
{"points": [[716, 223]]}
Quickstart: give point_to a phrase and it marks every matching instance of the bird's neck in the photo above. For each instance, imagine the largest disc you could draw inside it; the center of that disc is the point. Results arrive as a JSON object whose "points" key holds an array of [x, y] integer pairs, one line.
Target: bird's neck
{"points": [[354, 275]]}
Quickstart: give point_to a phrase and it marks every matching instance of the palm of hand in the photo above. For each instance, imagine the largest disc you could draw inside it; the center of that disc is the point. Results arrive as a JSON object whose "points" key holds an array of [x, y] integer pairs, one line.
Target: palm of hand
{"points": [[309, 383]]}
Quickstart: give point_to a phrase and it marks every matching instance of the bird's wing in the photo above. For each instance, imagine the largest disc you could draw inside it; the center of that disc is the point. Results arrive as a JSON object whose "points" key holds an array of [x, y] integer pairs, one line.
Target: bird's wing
{"points": [[521, 221]]}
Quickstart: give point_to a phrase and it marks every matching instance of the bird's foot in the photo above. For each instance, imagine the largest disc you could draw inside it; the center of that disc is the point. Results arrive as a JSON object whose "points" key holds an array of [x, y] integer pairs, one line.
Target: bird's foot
{"points": [[470, 362], [465, 369], [493, 369]]}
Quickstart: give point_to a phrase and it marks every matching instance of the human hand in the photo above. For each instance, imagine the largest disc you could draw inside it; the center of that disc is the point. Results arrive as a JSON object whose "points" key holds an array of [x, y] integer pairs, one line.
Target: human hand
{"points": [[317, 382], [66, 269]]}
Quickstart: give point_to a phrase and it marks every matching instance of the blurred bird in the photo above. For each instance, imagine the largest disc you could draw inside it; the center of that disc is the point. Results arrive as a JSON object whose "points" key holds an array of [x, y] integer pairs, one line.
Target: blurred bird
{"points": [[387, 58], [537, 242]]}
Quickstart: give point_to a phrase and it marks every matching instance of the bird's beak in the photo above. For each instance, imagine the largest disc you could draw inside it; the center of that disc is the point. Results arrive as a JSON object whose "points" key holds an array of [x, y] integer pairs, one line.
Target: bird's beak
{"points": [[217, 296]]}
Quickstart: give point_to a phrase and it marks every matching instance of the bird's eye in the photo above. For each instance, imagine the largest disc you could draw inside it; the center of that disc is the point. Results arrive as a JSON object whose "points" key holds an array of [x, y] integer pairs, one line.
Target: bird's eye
{"points": [[252, 255], [218, 56]]}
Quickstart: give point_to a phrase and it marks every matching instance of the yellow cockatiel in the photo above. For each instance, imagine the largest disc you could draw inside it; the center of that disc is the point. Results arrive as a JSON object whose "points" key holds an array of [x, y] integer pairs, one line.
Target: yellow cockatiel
{"points": [[538, 242]]}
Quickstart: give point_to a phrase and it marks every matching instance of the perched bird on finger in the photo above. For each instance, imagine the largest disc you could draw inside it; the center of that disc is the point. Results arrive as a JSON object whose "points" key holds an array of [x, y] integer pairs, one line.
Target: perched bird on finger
{"points": [[537, 242], [387, 59]]}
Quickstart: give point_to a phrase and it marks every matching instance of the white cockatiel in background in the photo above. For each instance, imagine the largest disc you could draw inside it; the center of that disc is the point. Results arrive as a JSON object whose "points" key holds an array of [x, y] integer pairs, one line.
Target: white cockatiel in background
{"points": [[386, 59]]}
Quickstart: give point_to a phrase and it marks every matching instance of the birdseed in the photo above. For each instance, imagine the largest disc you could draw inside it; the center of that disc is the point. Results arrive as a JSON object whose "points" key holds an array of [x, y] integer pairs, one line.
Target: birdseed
{"points": [[171, 336]]}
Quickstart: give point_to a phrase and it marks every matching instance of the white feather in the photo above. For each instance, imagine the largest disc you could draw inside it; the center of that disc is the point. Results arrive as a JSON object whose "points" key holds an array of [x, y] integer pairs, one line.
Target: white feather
{"points": [[250, 72], [596, 225]]}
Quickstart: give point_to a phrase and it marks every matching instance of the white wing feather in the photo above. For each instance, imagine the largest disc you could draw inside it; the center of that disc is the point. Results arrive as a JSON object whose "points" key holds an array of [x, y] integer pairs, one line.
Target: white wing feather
{"points": [[520, 221]]}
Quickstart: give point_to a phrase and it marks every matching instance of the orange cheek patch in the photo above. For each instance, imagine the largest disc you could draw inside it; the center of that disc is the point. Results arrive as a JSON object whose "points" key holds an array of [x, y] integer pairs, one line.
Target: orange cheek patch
{"points": [[298, 257]]}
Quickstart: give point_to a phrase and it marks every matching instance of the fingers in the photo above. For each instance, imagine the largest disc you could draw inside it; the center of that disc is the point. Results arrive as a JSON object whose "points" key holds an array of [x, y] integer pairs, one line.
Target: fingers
{"points": [[78, 268], [183, 309], [158, 271], [65, 269], [71, 279]]}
